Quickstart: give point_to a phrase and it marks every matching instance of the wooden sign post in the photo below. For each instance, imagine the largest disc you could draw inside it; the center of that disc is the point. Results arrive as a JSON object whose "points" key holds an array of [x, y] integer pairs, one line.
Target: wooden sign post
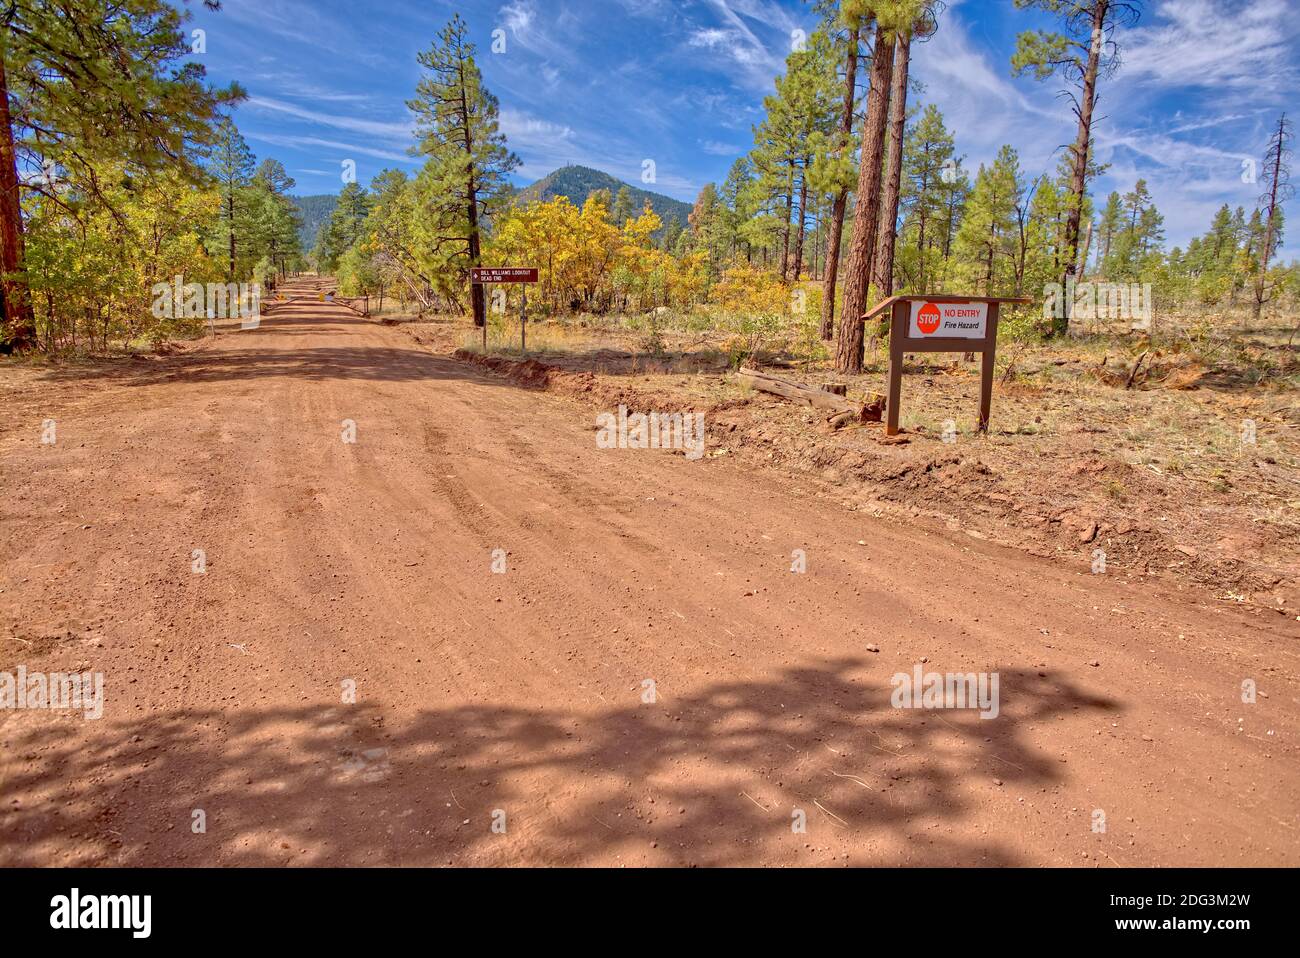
{"points": [[941, 323], [507, 274]]}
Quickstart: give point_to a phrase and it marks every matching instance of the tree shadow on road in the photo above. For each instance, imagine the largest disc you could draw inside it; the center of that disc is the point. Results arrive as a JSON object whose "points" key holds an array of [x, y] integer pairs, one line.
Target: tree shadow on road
{"points": [[714, 778], [243, 356]]}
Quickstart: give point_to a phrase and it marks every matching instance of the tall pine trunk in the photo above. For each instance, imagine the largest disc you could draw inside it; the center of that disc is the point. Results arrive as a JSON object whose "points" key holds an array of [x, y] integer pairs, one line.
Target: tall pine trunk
{"points": [[801, 220], [1277, 157], [478, 302], [842, 197], [477, 298], [921, 220], [884, 270], [785, 236], [857, 282], [19, 329], [230, 211], [1079, 173], [1083, 252]]}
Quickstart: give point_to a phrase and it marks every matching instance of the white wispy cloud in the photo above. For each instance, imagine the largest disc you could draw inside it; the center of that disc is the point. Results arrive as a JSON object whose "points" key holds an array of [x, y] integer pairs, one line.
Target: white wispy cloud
{"points": [[732, 35], [550, 36], [1242, 45], [981, 104], [712, 37], [396, 132], [295, 85], [529, 132], [338, 148], [647, 8], [298, 23], [716, 148]]}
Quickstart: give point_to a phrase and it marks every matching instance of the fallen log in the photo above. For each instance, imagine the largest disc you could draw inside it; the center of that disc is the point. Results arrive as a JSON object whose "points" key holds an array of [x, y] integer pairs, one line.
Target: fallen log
{"points": [[842, 419], [350, 303], [812, 396]]}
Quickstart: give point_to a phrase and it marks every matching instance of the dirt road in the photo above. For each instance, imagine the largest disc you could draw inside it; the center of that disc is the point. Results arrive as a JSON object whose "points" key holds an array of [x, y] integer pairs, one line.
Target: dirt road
{"points": [[502, 718]]}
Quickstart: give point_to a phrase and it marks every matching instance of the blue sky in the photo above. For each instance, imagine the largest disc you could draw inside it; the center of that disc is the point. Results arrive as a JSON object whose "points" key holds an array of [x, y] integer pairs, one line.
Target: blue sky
{"points": [[612, 83]]}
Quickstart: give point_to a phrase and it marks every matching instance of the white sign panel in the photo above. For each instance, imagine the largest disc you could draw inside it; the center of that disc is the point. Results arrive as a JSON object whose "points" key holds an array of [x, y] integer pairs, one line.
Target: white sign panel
{"points": [[948, 320]]}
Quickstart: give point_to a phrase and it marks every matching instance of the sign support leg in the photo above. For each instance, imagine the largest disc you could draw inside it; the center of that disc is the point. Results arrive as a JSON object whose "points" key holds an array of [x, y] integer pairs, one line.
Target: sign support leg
{"points": [[986, 369], [897, 318], [986, 389], [523, 321]]}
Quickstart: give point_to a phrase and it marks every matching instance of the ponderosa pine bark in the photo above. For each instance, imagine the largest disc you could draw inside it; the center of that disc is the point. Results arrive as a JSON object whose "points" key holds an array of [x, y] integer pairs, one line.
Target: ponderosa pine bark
{"points": [[842, 196], [19, 329], [801, 222], [857, 281], [883, 273]]}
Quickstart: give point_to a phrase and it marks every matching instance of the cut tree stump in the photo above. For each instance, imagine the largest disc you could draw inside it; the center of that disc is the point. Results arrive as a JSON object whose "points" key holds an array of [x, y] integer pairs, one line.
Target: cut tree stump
{"points": [[839, 389], [820, 398]]}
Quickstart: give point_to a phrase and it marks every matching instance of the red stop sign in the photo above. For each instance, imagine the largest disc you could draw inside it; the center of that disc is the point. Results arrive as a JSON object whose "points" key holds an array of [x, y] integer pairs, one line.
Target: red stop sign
{"points": [[927, 320]]}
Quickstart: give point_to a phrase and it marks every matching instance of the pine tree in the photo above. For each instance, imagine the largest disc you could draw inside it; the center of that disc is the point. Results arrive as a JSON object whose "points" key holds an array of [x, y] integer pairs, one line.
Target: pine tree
{"points": [[848, 342], [99, 83], [986, 238], [1108, 227], [278, 215], [1084, 51], [463, 181], [672, 229], [797, 124], [1140, 235], [345, 228], [1040, 245], [622, 211], [709, 229], [232, 165], [916, 20], [883, 269], [1277, 174], [736, 194], [927, 159], [835, 171], [1221, 243]]}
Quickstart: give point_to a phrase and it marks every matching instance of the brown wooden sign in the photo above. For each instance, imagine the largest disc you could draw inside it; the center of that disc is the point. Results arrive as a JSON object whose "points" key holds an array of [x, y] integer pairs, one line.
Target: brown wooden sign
{"points": [[941, 323], [503, 274], [507, 274]]}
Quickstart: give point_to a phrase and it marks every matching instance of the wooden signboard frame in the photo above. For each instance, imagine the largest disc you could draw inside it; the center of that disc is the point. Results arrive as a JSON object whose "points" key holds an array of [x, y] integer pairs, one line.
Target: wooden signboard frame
{"points": [[482, 275], [901, 341]]}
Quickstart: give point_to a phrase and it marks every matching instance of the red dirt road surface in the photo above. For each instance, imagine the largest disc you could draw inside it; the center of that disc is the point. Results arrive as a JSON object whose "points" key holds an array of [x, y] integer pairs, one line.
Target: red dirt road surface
{"points": [[509, 718]]}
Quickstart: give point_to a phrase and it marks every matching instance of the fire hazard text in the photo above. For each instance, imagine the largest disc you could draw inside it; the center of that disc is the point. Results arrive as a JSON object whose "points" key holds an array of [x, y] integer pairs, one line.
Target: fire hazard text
{"points": [[948, 320]]}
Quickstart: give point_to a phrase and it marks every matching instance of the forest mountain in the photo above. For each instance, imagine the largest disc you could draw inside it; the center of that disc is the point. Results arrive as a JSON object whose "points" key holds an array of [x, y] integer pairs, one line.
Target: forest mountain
{"points": [[579, 182], [314, 211], [575, 182]]}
